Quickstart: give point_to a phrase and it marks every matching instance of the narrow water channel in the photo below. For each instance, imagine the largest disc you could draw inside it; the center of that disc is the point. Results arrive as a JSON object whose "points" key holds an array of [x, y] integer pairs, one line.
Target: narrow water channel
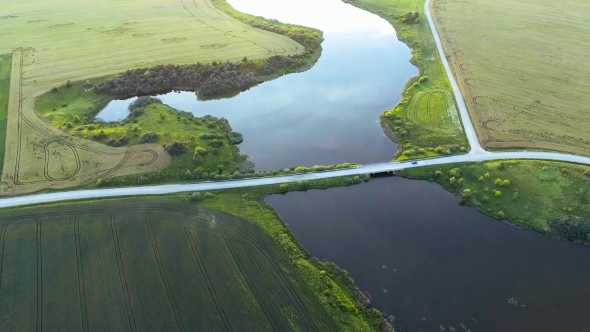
{"points": [[326, 115], [437, 266]]}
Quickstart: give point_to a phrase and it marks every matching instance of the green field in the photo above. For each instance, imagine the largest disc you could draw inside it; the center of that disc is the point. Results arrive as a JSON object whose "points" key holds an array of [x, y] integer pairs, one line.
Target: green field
{"points": [[162, 264], [522, 68], [526, 193], [5, 66], [426, 121]]}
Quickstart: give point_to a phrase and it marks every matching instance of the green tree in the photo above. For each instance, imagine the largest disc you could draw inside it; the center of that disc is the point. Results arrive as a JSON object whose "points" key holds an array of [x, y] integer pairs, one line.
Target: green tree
{"points": [[197, 159], [498, 182], [497, 193], [506, 183], [455, 172]]}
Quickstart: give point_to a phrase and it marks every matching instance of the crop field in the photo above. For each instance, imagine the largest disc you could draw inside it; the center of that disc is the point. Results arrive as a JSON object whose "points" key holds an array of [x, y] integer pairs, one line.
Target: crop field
{"points": [[147, 265], [523, 70], [53, 42], [5, 64], [426, 121]]}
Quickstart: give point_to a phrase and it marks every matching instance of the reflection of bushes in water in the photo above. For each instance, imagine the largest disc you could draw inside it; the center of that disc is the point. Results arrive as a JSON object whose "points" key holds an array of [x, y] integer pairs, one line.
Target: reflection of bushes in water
{"points": [[571, 226]]}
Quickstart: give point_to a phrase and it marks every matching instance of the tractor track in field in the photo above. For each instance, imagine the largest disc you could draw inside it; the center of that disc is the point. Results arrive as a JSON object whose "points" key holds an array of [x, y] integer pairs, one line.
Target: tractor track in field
{"points": [[254, 244], [197, 7], [284, 50], [122, 276], [80, 270], [261, 304], [39, 275], [59, 140], [162, 270], [288, 286], [210, 288]]}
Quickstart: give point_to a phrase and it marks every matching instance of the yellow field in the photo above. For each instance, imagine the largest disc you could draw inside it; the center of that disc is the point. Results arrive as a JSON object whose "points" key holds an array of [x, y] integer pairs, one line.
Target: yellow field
{"points": [[56, 41], [523, 69]]}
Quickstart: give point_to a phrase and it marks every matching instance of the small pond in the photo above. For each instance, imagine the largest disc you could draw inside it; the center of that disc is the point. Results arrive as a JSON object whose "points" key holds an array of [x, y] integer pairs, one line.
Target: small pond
{"points": [[326, 115], [432, 263]]}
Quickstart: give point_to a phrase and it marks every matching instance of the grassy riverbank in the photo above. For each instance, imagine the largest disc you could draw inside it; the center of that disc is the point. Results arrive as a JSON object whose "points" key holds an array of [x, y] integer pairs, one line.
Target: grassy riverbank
{"points": [[5, 67], [426, 122], [544, 196], [341, 299]]}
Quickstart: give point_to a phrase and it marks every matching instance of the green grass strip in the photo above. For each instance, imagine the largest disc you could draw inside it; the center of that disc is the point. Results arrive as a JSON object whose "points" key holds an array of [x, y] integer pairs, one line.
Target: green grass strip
{"points": [[5, 65]]}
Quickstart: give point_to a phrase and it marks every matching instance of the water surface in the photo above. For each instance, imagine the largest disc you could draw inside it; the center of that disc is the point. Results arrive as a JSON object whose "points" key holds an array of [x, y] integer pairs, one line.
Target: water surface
{"points": [[326, 115], [430, 262]]}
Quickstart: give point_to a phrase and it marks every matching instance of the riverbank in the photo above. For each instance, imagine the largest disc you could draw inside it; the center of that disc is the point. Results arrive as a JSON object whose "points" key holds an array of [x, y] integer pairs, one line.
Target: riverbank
{"points": [[548, 197], [342, 299], [426, 122]]}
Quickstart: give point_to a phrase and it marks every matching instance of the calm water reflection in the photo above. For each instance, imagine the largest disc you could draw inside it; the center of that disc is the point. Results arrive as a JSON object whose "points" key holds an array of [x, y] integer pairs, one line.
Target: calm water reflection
{"points": [[328, 114], [431, 263]]}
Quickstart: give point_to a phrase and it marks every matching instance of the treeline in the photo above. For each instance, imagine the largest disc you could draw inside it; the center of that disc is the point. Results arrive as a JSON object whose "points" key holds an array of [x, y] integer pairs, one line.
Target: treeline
{"points": [[204, 79], [571, 226]]}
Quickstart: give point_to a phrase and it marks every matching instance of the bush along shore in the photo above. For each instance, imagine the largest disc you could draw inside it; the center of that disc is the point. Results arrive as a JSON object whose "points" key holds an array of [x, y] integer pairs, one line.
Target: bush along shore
{"points": [[342, 300], [426, 122], [548, 197]]}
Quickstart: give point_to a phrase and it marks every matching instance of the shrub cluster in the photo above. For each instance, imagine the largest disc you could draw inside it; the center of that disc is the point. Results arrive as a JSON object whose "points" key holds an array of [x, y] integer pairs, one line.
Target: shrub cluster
{"points": [[175, 148], [117, 142], [235, 137], [149, 138], [137, 107], [571, 226], [205, 79]]}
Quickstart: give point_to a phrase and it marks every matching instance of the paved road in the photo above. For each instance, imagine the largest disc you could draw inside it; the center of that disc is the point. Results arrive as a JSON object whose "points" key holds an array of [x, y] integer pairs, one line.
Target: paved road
{"points": [[365, 169], [477, 153]]}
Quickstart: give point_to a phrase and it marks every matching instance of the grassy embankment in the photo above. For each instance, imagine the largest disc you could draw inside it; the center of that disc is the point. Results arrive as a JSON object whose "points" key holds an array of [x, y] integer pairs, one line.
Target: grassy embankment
{"points": [[530, 194], [426, 122], [174, 264], [5, 66], [523, 70]]}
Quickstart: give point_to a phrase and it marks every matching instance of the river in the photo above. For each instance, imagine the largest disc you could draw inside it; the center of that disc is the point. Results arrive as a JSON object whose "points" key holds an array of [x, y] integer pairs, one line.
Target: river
{"points": [[432, 263], [326, 115]]}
